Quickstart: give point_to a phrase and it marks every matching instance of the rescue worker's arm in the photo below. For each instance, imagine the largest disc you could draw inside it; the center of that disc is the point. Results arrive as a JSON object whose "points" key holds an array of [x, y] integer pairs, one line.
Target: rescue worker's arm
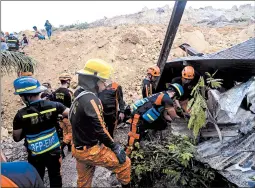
{"points": [[145, 90], [68, 99], [93, 111], [120, 99], [17, 128], [169, 112], [177, 103], [61, 109], [166, 116], [121, 103]]}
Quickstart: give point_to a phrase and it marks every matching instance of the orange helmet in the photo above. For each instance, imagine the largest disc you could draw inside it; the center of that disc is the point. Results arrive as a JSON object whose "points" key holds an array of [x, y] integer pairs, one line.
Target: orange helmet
{"points": [[6, 33], [65, 77], [188, 72], [154, 70]]}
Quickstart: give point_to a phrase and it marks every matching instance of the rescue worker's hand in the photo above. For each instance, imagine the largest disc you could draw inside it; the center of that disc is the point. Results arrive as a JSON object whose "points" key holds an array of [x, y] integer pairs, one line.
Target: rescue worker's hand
{"points": [[121, 116], [120, 153], [178, 109], [186, 115]]}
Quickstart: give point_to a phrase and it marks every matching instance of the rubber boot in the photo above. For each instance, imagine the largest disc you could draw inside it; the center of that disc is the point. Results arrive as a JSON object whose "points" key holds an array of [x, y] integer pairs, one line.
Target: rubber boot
{"points": [[62, 150], [126, 186], [69, 147]]}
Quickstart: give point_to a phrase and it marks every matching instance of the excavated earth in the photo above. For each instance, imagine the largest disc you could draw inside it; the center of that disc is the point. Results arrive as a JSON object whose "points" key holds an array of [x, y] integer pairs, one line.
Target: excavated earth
{"points": [[130, 49]]}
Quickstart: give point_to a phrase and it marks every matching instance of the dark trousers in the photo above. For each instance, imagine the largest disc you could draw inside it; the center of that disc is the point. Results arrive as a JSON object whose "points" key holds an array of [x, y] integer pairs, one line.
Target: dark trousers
{"points": [[51, 161], [111, 123]]}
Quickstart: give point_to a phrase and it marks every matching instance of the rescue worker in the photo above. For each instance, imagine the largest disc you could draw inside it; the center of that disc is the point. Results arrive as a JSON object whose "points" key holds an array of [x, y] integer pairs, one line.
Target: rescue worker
{"points": [[6, 35], [38, 34], [111, 96], [93, 145], [19, 174], [152, 113], [64, 96], [36, 123], [4, 45], [48, 28], [48, 93], [24, 41], [148, 84], [13, 43], [187, 81]]}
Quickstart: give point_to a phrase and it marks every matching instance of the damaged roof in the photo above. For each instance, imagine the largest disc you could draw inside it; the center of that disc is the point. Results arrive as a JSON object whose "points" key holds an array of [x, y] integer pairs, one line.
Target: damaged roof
{"points": [[245, 50], [233, 64], [225, 157]]}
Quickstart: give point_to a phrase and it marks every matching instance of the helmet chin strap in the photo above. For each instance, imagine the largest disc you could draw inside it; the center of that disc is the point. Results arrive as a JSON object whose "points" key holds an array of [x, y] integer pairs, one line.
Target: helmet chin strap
{"points": [[150, 77], [27, 102]]}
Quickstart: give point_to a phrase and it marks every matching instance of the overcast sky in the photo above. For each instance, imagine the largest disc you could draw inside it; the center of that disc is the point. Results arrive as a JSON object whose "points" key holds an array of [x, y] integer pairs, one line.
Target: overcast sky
{"points": [[22, 15]]}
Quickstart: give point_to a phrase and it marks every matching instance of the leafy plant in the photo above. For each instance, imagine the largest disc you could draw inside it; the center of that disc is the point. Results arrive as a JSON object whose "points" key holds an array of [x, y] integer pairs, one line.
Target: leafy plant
{"points": [[16, 61], [197, 108], [212, 82], [170, 163], [197, 105]]}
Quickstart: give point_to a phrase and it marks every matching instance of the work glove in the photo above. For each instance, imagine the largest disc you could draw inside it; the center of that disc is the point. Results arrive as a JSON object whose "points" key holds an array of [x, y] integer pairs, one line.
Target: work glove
{"points": [[121, 116], [120, 153]]}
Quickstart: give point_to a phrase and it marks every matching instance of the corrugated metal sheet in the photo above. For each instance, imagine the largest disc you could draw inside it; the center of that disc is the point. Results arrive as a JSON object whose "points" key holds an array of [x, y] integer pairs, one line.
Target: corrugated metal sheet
{"points": [[234, 64], [245, 50], [224, 156]]}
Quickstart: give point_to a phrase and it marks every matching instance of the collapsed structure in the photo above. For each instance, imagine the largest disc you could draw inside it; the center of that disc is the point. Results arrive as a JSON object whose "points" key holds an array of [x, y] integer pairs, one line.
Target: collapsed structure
{"points": [[232, 107]]}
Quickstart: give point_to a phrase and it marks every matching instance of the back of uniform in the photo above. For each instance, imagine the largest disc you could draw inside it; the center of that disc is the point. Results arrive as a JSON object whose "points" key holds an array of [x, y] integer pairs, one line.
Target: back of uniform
{"points": [[13, 43], [38, 123], [64, 96], [157, 101], [112, 100], [147, 114]]}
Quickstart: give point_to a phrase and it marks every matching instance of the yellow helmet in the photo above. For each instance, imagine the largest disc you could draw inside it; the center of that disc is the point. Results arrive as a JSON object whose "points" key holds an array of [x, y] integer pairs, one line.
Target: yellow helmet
{"points": [[65, 77], [98, 68]]}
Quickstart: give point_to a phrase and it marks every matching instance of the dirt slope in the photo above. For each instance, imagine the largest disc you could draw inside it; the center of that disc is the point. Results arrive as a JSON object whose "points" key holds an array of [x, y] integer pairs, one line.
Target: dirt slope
{"points": [[130, 49]]}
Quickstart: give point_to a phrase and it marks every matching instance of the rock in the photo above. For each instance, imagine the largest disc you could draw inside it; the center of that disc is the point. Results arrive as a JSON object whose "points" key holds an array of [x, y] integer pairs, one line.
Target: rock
{"points": [[131, 38], [248, 32], [214, 33], [144, 9], [102, 43], [234, 8], [125, 57], [196, 40], [134, 51], [4, 133]]}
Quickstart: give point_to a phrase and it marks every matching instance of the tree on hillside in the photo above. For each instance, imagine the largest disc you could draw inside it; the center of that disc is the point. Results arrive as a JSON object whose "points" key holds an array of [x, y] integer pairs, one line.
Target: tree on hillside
{"points": [[16, 62]]}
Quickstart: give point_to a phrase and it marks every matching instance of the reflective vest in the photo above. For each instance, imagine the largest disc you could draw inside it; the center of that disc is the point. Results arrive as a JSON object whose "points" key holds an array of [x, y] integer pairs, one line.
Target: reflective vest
{"points": [[43, 142], [12, 43], [149, 108], [41, 134]]}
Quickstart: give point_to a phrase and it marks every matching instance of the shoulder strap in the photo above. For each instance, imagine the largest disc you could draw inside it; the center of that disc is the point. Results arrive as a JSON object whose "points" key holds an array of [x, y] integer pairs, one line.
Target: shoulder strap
{"points": [[159, 99], [85, 92]]}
